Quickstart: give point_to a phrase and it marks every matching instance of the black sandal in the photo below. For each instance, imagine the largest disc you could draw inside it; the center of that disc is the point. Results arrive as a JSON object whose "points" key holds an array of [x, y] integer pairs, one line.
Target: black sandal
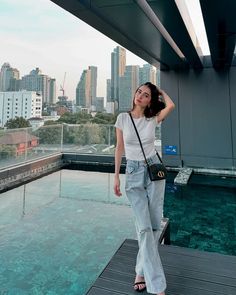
{"points": [[139, 283]]}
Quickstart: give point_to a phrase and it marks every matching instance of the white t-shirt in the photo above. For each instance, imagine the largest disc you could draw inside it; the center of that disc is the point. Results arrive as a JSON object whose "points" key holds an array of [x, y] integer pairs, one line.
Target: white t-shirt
{"points": [[146, 129]]}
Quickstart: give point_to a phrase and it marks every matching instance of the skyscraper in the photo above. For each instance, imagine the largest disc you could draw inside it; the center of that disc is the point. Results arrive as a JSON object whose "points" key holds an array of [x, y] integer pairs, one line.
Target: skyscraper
{"points": [[128, 85], [38, 82], [9, 78], [99, 104], [118, 63], [80, 90], [108, 90], [93, 83], [86, 90], [52, 91], [147, 73]]}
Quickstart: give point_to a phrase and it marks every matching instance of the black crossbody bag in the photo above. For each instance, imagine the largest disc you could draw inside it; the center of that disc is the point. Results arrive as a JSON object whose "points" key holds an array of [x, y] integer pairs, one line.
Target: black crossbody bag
{"points": [[156, 171]]}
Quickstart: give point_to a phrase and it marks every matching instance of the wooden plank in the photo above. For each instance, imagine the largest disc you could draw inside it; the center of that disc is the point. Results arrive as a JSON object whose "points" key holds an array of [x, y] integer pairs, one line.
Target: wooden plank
{"points": [[188, 271], [183, 263], [99, 291], [131, 244], [122, 267]]}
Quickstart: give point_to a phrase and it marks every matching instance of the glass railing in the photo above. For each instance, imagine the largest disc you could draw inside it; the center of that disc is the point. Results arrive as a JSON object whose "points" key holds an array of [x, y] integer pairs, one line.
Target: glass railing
{"points": [[89, 138], [26, 144]]}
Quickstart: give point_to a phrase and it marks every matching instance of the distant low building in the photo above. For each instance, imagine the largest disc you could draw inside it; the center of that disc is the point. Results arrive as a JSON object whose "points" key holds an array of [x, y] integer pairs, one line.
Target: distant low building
{"points": [[52, 117], [36, 122], [22, 141], [25, 104]]}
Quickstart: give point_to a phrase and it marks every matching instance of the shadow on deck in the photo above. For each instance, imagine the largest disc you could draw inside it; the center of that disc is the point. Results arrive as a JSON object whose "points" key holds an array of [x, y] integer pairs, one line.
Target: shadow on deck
{"points": [[188, 272]]}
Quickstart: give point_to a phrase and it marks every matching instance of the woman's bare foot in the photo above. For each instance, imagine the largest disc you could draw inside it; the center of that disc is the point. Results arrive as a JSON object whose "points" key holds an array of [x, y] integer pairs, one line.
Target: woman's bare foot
{"points": [[162, 293], [139, 283]]}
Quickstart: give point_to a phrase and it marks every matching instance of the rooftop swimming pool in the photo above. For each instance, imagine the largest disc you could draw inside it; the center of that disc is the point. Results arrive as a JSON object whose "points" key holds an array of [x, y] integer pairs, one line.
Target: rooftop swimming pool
{"points": [[59, 232]]}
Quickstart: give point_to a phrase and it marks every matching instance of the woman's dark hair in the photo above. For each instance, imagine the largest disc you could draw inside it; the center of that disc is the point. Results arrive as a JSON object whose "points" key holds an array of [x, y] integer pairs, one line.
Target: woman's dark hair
{"points": [[156, 105]]}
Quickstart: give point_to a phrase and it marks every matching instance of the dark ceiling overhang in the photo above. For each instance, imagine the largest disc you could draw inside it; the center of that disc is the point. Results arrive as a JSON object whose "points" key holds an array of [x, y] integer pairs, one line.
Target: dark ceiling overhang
{"points": [[129, 24], [126, 23], [220, 22]]}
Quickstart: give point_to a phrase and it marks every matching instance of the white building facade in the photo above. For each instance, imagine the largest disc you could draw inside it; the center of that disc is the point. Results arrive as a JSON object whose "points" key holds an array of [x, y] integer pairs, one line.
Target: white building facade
{"points": [[26, 104]]}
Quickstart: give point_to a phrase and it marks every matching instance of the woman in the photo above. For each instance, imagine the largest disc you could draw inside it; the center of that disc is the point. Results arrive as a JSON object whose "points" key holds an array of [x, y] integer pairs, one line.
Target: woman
{"points": [[146, 196]]}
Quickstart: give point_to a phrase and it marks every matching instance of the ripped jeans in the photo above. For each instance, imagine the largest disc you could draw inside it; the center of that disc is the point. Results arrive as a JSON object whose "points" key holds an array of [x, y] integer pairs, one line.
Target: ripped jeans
{"points": [[146, 198]]}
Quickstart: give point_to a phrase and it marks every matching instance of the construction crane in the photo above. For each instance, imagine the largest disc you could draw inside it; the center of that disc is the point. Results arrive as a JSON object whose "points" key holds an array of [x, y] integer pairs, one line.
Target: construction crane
{"points": [[62, 87]]}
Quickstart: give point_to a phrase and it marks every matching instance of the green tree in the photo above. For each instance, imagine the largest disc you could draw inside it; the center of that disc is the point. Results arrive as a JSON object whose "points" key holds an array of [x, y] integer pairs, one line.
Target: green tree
{"points": [[44, 113], [7, 151], [18, 122], [50, 122], [49, 134], [77, 118], [104, 118]]}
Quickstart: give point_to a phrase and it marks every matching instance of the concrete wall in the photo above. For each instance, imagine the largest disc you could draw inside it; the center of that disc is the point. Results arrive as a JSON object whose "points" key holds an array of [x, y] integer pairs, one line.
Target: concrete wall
{"points": [[203, 124]]}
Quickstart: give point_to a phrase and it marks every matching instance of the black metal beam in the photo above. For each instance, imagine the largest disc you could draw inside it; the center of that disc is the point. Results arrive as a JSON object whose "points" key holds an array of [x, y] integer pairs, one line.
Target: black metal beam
{"points": [[169, 15], [219, 17]]}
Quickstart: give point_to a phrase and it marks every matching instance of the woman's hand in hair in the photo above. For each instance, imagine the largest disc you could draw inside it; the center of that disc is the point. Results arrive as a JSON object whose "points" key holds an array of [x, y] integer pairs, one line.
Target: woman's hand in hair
{"points": [[169, 106]]}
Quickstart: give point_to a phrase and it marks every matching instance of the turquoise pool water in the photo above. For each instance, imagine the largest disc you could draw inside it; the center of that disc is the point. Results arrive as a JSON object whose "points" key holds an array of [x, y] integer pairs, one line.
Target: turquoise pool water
{"points": [[55, 239], [59, 232]]}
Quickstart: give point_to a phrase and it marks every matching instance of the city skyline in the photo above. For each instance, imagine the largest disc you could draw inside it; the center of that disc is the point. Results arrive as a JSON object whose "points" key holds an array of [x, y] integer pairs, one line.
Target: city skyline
{"points": [[53, 44], [41, 34]]}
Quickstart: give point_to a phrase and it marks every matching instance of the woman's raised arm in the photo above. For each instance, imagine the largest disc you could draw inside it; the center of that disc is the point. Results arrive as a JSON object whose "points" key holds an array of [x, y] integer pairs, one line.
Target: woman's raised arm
{"points": [[168, 108]]}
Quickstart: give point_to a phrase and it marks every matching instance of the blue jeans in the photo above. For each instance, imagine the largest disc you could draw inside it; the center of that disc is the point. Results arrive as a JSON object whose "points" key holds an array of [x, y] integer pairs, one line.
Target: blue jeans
{"points": [[146, 198]]}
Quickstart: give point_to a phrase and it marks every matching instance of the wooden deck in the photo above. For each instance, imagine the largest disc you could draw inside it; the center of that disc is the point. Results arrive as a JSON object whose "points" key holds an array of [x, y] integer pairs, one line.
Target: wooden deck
{"points": [[188, 272]]}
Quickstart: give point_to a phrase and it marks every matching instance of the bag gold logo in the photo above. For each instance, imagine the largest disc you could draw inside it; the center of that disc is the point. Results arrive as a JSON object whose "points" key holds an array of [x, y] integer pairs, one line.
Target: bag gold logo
{"points": [[161, 174]]}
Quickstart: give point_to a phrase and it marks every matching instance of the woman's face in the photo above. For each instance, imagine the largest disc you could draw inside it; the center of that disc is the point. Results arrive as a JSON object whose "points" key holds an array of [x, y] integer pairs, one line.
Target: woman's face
{"points": [[142, 96]]}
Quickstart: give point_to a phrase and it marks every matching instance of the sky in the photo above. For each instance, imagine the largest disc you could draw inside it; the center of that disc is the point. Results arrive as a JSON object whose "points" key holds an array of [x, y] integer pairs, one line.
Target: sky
{"points": [[41, 34]]}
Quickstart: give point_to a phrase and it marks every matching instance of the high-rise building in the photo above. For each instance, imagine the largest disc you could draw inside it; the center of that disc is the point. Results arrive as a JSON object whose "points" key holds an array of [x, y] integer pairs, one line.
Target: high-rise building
{"points": [[38, 82], [52, 91], [93, 83], [4, 69], [87, 88], [147, 73], [99, 104], [15, 84], [9, 78], [128, 85], [118, 63], [108, 90], [80, 90], [24, 104]]}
